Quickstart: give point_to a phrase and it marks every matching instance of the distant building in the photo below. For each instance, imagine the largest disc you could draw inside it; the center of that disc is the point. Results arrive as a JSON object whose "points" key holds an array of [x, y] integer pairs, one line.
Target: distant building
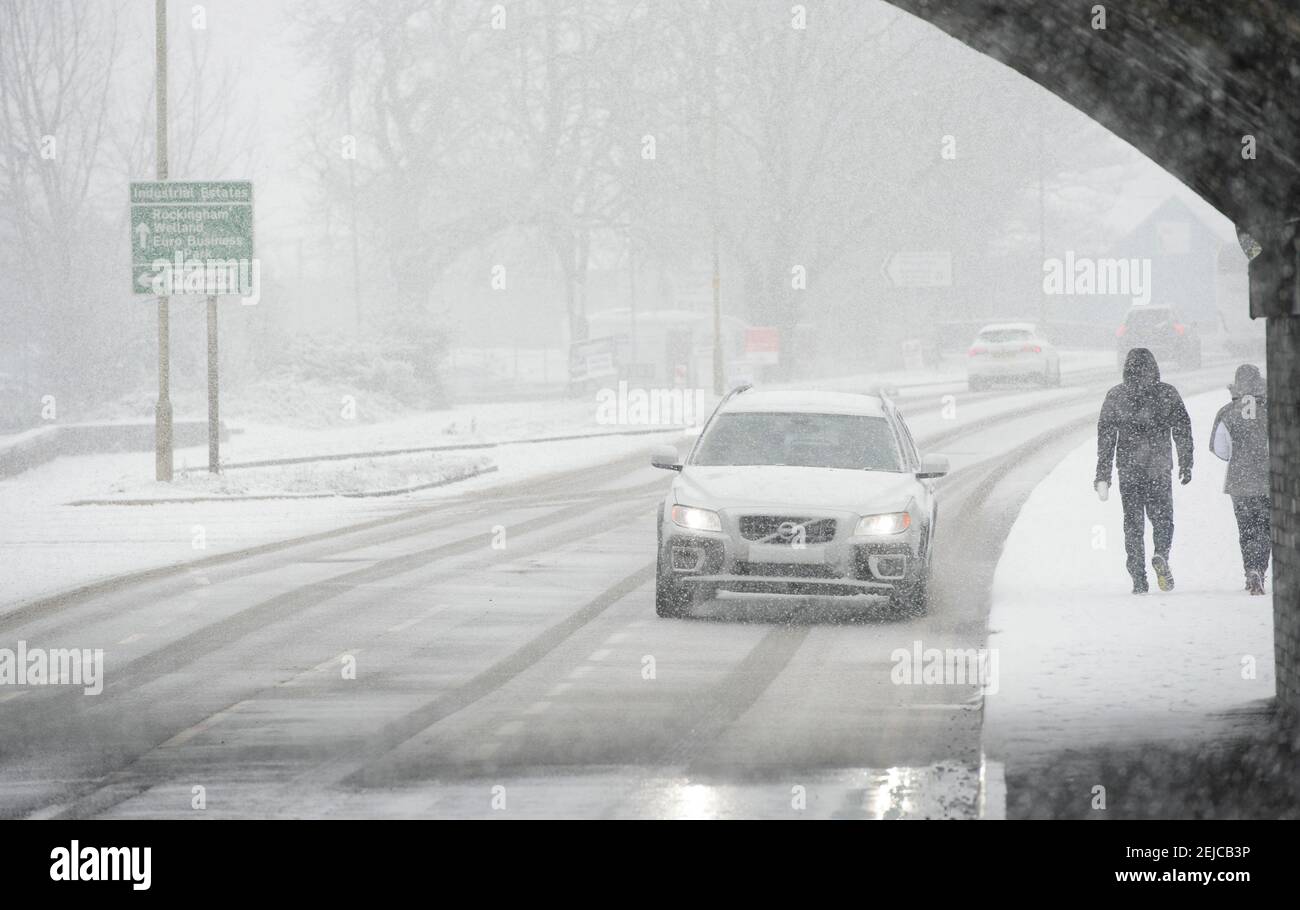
{"points": [[1172, 255]]}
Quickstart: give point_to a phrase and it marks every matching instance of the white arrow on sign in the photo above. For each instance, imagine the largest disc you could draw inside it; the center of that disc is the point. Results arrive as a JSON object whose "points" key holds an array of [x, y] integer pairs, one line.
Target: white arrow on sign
{"points": [[919, 269], [143, 233]]}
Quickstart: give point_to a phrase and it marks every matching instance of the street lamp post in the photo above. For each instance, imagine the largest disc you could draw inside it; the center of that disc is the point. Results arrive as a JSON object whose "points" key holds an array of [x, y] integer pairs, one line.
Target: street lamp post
{"points": [[719, 372], [163, 409]]}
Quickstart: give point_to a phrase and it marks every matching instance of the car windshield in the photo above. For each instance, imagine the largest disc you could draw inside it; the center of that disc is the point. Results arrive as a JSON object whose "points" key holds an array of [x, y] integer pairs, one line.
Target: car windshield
{"points": [[993, 336], [846, 441]]}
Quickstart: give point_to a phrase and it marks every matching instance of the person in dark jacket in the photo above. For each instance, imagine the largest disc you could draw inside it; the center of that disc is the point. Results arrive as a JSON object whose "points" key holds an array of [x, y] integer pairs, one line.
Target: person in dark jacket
{"points": [[1138, 419], [1240, 437]]}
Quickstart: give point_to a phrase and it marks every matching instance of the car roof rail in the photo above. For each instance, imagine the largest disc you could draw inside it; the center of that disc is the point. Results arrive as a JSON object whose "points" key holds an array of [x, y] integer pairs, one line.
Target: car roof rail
{"points": [[738, 390]]}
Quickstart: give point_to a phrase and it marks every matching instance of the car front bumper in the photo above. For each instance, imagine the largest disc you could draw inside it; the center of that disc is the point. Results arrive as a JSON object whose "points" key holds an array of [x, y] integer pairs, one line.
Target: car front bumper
{"points": [[845, 565], [994, 368]]}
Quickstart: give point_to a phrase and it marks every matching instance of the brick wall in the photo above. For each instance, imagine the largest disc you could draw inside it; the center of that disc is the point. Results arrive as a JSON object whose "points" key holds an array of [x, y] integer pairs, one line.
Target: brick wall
{"points": [[1284, 449]]}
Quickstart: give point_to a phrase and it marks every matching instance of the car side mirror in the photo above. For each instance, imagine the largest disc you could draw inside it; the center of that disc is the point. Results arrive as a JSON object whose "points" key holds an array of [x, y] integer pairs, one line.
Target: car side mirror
{"points": [[665, 457], [932, 466]]}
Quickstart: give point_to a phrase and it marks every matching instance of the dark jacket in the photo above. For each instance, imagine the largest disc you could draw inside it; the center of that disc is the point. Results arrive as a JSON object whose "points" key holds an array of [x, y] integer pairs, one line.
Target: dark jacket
{"points": [[1240, 435], [1138, 419]]}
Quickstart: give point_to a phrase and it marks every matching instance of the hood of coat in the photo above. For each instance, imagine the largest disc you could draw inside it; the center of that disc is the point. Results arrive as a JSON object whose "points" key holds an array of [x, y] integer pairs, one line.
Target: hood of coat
{"points": [[1140, 368], [1248, 381]]}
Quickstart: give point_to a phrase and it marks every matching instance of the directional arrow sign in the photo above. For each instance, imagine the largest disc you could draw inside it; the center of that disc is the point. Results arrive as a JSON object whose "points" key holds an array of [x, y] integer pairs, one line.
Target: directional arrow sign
{"points": [[190, 225], [920, 269]]}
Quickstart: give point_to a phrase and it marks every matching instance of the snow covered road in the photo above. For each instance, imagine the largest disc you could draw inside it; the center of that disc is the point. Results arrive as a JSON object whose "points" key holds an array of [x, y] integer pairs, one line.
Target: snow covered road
{"points": [[495, 651]]}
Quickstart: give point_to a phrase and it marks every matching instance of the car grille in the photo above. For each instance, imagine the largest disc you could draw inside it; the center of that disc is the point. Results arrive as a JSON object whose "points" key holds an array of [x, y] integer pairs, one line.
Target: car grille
{"points": [[786, 570], [767, 528]]}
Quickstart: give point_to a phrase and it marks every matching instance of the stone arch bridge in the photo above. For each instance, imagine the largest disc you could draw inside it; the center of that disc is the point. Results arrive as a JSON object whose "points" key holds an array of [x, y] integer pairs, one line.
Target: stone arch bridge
{"points": [[1209, 90]]}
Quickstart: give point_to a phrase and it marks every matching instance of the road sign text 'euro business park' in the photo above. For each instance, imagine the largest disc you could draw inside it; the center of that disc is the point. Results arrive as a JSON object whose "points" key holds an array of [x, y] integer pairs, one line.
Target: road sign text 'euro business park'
{"points": [[192, 237]]}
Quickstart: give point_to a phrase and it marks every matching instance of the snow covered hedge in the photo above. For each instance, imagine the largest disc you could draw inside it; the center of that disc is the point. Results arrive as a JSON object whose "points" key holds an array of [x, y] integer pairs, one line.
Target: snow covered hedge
{"points": [[330, 379]]}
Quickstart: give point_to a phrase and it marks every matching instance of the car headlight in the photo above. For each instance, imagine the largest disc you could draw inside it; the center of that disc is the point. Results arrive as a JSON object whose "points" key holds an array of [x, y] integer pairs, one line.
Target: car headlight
{"points": [[888, 523], [694, 519]]}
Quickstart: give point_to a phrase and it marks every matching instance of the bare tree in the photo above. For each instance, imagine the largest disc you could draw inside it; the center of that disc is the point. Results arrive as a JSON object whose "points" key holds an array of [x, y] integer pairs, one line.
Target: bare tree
{"points": [[406, 96], [78, 130], [56, 64]]}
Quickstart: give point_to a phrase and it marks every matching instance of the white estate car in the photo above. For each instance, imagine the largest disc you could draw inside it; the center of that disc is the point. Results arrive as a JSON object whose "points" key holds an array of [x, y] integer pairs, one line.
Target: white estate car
{"points": [[798, 492], [1012, 350]]}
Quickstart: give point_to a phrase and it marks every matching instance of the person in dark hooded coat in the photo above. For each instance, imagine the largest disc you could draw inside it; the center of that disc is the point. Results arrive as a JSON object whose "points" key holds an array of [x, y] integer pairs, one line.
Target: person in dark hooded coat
{"points": [[1138, 420], [1240, 437]]}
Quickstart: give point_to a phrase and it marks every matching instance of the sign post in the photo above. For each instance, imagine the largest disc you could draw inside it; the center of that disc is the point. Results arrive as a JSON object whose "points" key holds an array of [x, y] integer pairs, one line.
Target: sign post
{"points": [[163, 410], [192, 237], [214, 418]]}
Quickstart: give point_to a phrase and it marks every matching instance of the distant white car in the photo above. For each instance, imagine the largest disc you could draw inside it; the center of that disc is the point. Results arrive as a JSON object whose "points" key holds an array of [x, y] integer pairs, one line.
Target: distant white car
{"points": [[1012, 351]]}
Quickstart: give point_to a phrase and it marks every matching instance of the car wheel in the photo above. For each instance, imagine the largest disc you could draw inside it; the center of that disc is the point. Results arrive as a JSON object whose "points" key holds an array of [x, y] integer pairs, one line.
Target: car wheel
{"points": [[1056, 374], [672, 599], [976, 385]]}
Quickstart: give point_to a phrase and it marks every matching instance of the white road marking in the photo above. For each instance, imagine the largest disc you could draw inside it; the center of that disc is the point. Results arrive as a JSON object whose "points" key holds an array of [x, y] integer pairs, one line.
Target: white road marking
{"points": [[510, 728], [47, 812], [964, 706], [401, 626], [189, 733], [540, 707], [130, 639], [602, 654], [335, 661], [560, 688], [582, 670], [993, 790]]}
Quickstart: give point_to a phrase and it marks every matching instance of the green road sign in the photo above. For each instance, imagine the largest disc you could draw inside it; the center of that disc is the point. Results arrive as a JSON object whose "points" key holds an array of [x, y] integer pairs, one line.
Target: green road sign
{"points": [[196, 234]]}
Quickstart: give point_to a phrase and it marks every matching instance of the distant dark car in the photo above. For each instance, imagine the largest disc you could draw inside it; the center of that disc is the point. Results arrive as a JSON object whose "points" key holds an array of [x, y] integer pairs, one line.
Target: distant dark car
{"points": [[1163, 332]]}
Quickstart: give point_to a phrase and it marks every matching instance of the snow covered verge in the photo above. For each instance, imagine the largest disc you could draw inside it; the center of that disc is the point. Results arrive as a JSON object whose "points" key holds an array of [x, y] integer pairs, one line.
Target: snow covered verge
{"points": [[389, 475], [350, 429], [1084, 663], [48, 546]]}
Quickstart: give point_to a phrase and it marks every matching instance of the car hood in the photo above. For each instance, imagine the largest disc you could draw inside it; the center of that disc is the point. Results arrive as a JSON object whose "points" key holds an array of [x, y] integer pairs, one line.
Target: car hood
{"points": [[763, 487]]}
